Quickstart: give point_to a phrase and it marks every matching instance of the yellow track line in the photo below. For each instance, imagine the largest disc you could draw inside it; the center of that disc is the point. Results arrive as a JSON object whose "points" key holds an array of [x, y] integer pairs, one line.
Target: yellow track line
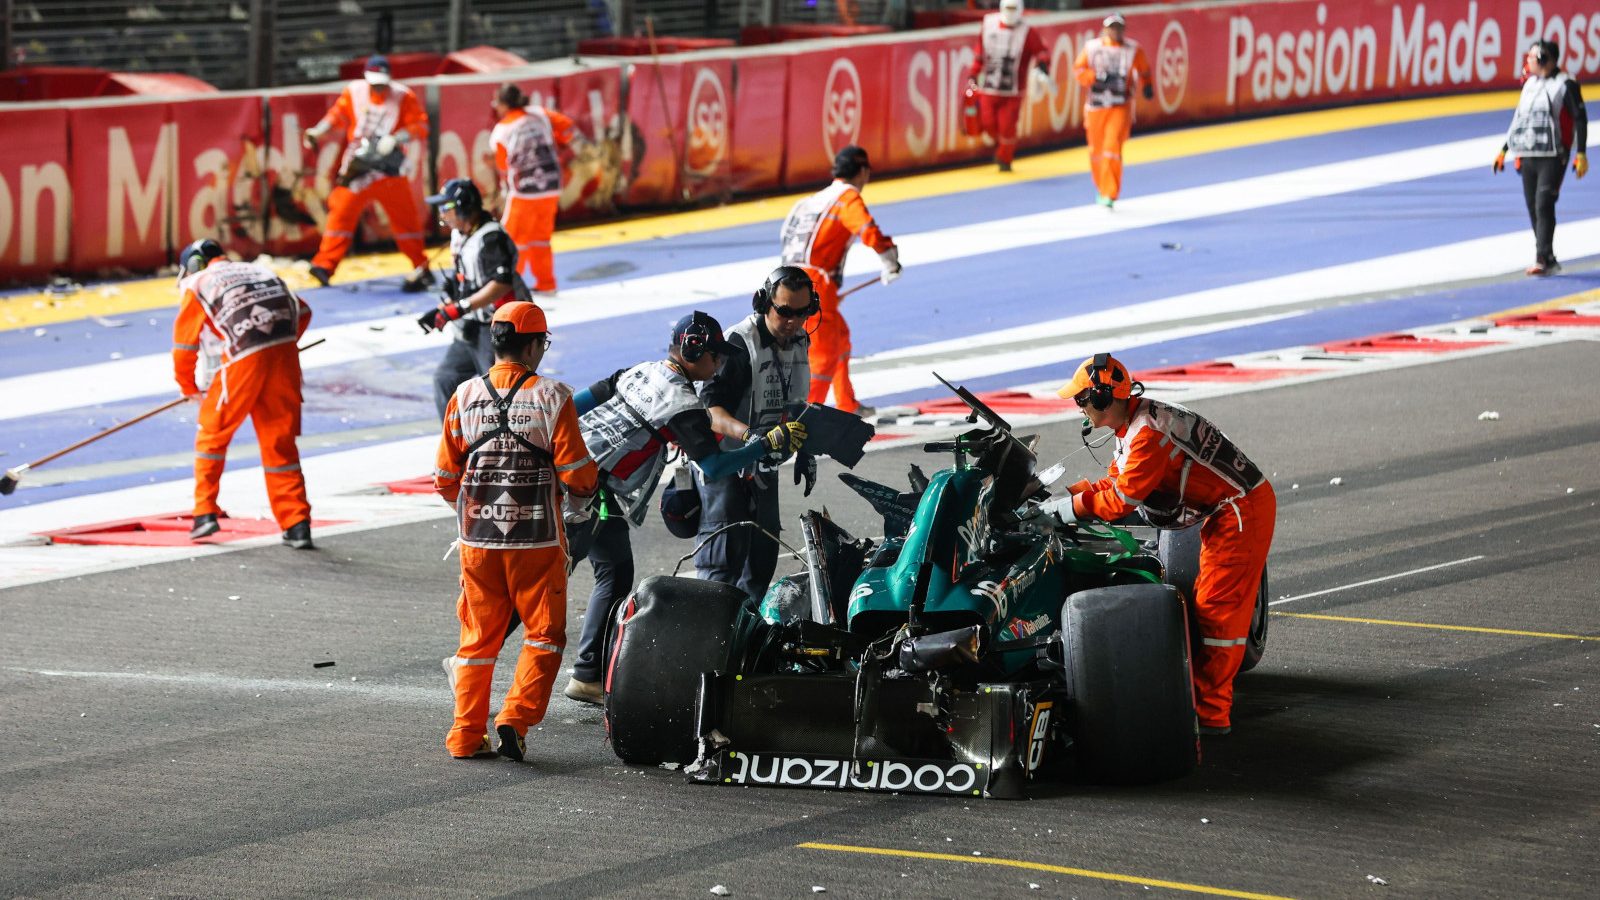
{"points": [[35, 309], [1566, 302], [1474, 628], [1041, 867]]}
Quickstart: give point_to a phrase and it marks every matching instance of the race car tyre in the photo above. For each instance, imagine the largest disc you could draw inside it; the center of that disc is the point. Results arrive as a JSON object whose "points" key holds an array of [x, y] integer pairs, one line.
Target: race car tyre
{"points": [[1256, 646], [1179, 552], [1127, 673], [664, 636]]}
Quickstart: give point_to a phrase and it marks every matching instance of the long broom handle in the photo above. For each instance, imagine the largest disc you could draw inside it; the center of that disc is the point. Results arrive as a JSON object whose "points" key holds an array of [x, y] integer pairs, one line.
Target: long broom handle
{"points": [[848, 291], [121, 425]]}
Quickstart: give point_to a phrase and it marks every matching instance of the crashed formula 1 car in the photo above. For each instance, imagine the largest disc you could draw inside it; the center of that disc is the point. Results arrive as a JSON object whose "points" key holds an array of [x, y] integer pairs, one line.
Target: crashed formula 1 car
{"points": [[970, 651]]}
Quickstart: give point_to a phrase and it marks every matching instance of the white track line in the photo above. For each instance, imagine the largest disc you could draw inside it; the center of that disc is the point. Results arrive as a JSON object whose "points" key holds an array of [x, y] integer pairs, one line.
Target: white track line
{"points": [[1346, 587], [151, 375]]}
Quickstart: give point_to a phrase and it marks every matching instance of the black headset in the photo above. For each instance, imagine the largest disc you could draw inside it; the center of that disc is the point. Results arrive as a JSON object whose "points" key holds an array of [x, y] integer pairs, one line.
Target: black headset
{"points": [[761, 302], [1102, 389], [695, 340]]}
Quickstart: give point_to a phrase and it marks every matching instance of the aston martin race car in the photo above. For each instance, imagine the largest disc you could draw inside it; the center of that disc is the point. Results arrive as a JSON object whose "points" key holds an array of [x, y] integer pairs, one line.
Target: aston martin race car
{"points": [[970, 650]]}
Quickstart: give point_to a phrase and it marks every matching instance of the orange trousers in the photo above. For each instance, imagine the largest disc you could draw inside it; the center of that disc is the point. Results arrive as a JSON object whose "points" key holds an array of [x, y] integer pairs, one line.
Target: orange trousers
{"points": [[494, 585], [530, 221], [345, 206], [1233, 554], [997, 115], [265, 388], [829, 356], [1107, 130]]}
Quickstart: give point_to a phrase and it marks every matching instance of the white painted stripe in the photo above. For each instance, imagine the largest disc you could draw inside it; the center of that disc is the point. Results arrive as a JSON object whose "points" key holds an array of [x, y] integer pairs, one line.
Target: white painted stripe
{"points": [[1468, 259], [151, 375], [1346, 587]]}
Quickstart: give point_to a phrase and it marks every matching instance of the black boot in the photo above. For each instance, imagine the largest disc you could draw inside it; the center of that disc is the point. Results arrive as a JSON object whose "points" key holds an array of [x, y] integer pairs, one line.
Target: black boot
{"points": [[418, 281], [205, 525], [321, 275], [299, 536]]}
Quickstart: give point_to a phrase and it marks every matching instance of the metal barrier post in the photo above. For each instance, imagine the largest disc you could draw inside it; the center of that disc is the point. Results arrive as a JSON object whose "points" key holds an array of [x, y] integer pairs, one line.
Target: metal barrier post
{"points": [[457, 26], [263, 13]]}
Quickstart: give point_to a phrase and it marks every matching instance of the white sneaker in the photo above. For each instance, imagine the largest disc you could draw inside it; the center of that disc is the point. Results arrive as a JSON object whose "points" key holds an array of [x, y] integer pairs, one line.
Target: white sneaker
{"points": [[584, 692]]}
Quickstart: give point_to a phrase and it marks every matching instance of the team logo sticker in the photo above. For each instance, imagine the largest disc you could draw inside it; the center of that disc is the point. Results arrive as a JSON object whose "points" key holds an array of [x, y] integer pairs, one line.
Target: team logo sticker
{"points": [[1172, 66], [841, 106], [708, 124]]}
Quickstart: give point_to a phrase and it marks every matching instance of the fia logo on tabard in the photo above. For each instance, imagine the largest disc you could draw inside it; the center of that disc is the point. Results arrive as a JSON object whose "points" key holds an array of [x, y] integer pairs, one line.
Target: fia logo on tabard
{"points": [[708, 124], [1172, 66], [841, 106]]}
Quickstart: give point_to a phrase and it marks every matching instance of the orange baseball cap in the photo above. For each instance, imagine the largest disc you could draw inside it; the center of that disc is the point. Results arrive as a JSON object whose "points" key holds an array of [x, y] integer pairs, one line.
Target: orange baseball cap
{"points": [[1113, 373], [525, 317]]}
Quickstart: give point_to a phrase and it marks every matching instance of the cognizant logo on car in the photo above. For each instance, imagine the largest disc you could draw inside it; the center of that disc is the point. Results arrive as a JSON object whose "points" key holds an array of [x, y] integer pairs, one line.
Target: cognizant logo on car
{"points": [[874, 775]]}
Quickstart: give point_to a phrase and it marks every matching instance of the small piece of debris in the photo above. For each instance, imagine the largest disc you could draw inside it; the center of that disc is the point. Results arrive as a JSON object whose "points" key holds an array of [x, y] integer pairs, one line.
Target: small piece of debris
{"points": [[39, 332], [670, 767], [1205, 821], [1032, 886], [116, 354], [1336, 481], [720, 891], [322, 665], [977, 853], [83, 715], [104, 322], [1376, 880], [818, 889], [234, 597], [1570, 490], [1294, 487], [1489, 415], [1171, 245]]}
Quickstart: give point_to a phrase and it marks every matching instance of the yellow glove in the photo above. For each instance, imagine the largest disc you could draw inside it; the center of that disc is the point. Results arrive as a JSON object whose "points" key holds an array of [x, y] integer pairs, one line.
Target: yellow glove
{"points": [[1580, 164], [1499, 163]]}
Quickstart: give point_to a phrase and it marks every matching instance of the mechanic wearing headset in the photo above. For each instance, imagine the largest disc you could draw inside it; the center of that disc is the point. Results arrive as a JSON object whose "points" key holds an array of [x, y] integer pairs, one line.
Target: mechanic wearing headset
{"points": [[749, 399], [628, 421], [485, 278], [1175, 468]]}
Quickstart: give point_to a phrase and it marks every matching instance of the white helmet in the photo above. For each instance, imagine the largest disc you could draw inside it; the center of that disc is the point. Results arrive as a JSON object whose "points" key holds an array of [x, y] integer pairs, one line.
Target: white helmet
{"points": [[1011, 12]]}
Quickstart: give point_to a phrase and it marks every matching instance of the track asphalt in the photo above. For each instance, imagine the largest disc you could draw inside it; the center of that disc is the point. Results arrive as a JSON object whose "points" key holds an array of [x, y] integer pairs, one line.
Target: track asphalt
{"points": [[164, 731]]}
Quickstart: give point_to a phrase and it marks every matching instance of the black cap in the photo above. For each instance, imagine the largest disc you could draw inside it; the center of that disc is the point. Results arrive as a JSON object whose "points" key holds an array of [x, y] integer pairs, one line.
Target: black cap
{"points": [[697, 334], [457, 192], [848, 162], [680, 511]]}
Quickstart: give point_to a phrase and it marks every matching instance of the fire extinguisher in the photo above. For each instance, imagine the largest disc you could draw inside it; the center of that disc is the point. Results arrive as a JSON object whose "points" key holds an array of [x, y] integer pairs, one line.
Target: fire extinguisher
{"points": [[969, 111]]}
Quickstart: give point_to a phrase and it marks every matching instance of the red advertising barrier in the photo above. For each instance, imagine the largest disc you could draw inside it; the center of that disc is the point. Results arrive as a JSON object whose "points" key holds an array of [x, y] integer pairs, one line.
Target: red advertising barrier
{"points": [[760, 109], [593, 179], [142, 177], [837, 97], [124, 162], [221, 156], [35, 193], [685, 127]]}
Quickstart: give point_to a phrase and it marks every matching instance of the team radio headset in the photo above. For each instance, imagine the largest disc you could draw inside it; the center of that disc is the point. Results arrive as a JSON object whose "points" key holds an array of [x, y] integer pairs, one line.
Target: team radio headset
{"points": [[1102, 390], [761, 302]]}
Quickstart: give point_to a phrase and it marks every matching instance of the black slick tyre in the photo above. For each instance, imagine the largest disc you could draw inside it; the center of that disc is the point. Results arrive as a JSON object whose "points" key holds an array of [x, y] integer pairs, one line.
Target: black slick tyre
{"points": [[663, 637], [1127, 671]]}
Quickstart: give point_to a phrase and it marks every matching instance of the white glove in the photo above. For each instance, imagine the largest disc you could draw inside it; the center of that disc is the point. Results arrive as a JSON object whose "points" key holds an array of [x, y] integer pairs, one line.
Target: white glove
{"points": [[313, 134], [1059, 509], [890, 261], [1041, 83], [386, 145]]}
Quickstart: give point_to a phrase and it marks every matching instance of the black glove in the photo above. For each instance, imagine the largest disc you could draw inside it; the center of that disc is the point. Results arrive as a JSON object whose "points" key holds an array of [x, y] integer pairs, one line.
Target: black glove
{"points": [[805, 466], [437, 319], [1149, 91]]}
